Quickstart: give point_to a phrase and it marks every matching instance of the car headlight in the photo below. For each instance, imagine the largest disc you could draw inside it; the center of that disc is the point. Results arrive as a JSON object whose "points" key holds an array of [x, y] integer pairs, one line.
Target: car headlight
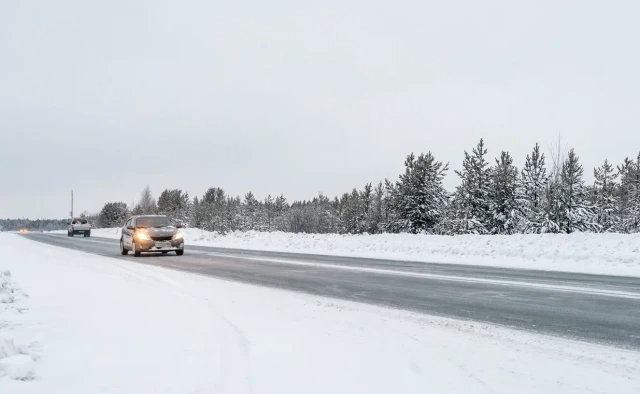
{"points": [[178, 236], [143, 236]]}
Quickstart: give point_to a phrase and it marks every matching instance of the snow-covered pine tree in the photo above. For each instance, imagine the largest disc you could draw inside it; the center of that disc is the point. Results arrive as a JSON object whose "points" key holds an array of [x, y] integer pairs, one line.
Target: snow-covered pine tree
{"points": [[195, 216], [576, 214], [625, 196], [175, 204], [280, 212], [533, 186], [605, 202], [395, 219], [113, 214], [213, 210], [504, 207], [366, 197], [249, 212], [269, 208], [418, 198], [233, 214], [352, 212], [634, 212], [472, 205], [454, 218], [325, 216], [376, 214]]}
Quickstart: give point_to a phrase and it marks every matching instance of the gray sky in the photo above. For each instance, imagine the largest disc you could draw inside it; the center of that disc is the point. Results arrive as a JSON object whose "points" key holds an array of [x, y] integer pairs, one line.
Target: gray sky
{"points": [[298, 97]]}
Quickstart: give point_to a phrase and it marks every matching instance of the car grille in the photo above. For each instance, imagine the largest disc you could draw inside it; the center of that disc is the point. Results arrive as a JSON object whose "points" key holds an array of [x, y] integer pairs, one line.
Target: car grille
{"points": [[165, 238]]}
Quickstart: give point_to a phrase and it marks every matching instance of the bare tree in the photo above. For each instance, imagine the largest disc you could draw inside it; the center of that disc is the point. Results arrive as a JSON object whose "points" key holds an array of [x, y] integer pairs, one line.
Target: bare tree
{"points": [[558, 155], [147, 204]]}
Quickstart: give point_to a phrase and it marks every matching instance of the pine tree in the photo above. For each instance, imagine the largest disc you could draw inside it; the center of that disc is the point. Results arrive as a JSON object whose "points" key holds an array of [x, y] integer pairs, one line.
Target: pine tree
{"points": [[604, 195], [249, 212], [633, 221], [196, 215], [624, 196], [352, 209], [269, 208], [375, 219], [505, 211], [417, 200], [532, 193], [281, 208], [175, 204], [366, 198], [472, 203], [575, 213], [113, 214]]}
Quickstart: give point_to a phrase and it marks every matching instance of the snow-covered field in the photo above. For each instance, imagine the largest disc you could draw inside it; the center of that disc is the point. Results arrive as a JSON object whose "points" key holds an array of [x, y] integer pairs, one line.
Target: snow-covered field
{"points": [[610, 254], [78, 323]]}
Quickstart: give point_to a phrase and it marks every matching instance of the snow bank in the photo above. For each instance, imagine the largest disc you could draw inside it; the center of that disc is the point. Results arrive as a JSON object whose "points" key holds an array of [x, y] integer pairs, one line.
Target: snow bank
{"points": [[121, 327], [16, 362], [610, 254], [8, 290], [18, 367]]}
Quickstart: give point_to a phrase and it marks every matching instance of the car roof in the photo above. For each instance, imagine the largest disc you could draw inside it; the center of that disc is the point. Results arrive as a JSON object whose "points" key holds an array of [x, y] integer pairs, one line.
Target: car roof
{"points": [[149, 216]]}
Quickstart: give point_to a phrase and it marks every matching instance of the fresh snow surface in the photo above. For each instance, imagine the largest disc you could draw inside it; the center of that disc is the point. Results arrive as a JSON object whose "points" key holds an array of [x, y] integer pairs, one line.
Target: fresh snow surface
{"points": [[94, 324], [608, 254], [16, 361]]}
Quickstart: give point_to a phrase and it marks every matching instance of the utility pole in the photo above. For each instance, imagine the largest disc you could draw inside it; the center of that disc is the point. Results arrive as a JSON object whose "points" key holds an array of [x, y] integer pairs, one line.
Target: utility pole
{"points": [[71, 204]]}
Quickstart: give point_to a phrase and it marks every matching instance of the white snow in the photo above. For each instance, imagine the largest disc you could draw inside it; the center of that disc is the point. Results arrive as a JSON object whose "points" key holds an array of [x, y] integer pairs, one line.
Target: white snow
{"points": [[18, 367], [16, 362], [104, 325], [609, 254]]}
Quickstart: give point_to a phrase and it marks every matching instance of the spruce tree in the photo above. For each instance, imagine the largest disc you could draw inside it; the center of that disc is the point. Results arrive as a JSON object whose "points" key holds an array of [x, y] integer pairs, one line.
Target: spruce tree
{"points": [[472, 202], [113, 214], [575, 213], [605, 202], [505, 211], [624, 196], [532, 191], [418, 198], [634, 211]]}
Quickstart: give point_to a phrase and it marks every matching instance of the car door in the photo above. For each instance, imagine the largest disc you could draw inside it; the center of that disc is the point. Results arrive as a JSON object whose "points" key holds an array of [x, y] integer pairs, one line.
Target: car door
{"points": [[127, 234]]}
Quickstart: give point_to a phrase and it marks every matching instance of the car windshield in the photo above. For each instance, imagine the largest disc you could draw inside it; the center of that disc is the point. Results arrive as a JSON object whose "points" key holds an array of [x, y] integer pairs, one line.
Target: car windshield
{"points": [[147, 222], [80, 221]]}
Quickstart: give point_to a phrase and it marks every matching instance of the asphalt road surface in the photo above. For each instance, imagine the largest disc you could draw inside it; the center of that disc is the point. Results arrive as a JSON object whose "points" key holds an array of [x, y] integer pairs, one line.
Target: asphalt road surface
{"points": [[593, 308]]}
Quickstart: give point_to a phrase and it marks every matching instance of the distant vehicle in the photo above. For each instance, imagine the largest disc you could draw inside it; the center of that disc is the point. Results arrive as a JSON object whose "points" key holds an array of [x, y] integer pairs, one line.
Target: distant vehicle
{"points": [[151, 234], [79, 226], [23, 231]]}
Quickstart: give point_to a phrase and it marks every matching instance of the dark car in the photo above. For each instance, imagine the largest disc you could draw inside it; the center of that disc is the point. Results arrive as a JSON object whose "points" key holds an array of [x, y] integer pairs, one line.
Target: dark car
{"points": [[151, 234]]}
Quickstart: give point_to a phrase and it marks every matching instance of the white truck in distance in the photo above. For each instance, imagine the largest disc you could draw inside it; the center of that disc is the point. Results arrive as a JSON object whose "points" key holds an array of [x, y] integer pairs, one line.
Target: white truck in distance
{"points": [[79, 226]]}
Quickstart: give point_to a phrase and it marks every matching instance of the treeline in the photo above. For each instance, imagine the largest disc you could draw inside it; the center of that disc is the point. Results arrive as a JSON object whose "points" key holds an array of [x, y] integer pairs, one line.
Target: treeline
{"points": [[33, 225], [543, 196]]}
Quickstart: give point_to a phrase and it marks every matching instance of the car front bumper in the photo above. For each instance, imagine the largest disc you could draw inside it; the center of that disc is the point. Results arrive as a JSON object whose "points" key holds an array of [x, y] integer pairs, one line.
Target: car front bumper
{"points": [[160, 246]]}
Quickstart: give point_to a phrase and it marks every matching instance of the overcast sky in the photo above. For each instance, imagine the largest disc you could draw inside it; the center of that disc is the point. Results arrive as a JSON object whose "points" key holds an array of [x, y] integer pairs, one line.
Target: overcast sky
{"points": [[298, 97]]}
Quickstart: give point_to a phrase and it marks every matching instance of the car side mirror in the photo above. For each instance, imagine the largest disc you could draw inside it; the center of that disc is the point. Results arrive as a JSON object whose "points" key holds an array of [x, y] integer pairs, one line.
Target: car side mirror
{"points": [[130, 228]]}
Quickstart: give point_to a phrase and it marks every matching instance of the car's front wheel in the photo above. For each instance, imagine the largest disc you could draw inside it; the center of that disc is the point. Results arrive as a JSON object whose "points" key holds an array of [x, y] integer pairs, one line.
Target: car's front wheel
{"points": [[123, 250], [134, 249], [180, 252]]}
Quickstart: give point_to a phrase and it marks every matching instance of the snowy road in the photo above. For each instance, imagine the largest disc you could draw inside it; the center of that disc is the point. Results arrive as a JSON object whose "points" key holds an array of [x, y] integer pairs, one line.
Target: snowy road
{"points": [[602, 309]]}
